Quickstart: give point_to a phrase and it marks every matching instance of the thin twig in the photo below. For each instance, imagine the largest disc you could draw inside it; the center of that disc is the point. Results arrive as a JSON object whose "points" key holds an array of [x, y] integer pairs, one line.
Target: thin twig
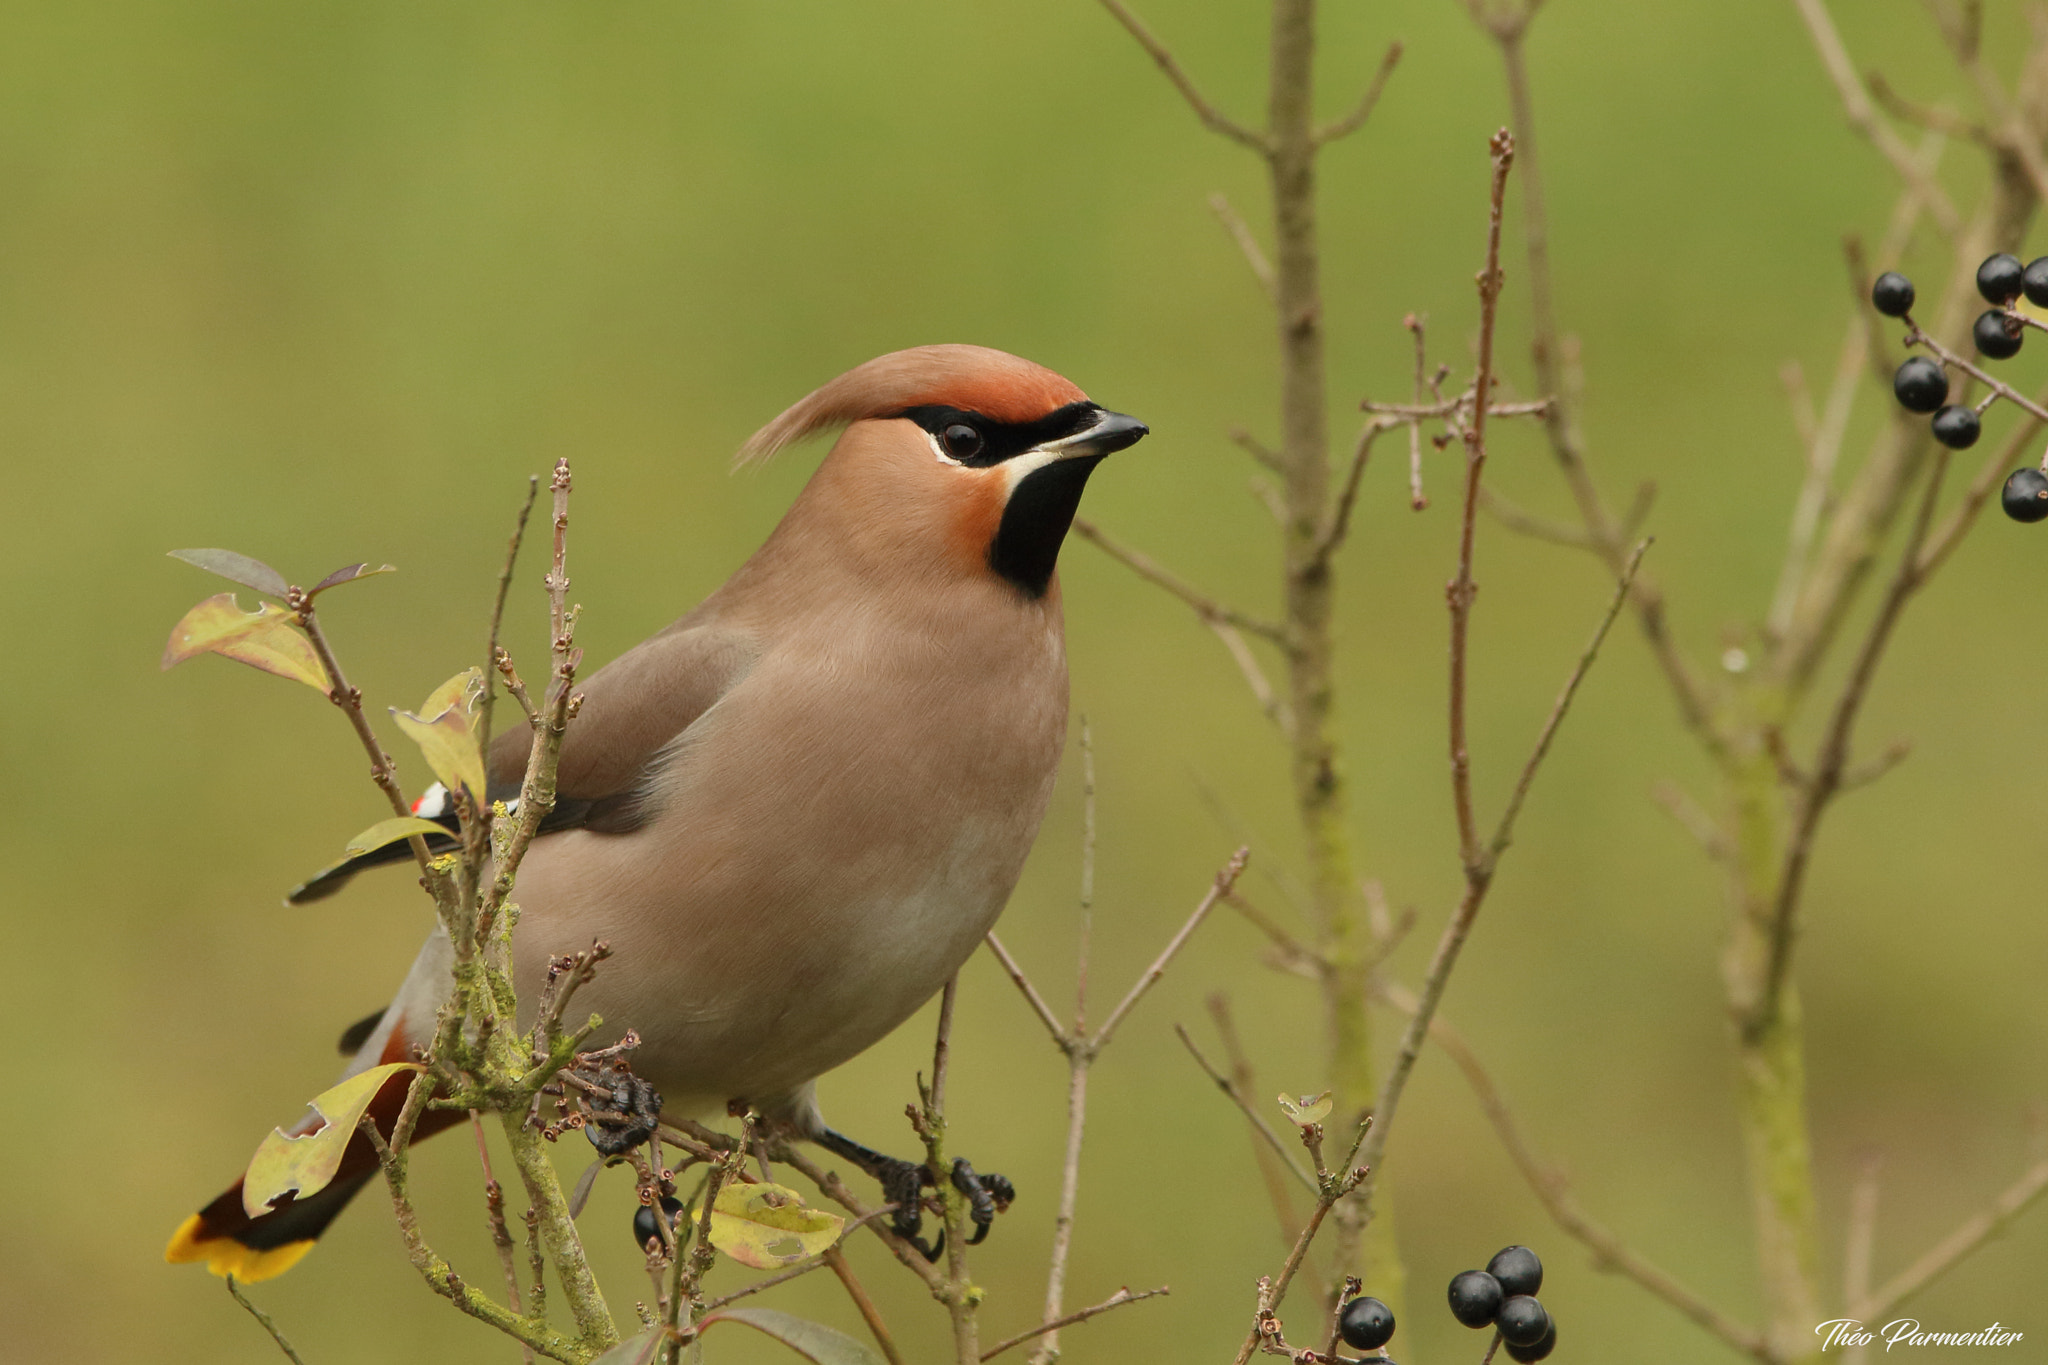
{"points": [[491, 650], [1827, 41], [1030, 992], [835, 1189], [1212, 117], [1271, 703], [1504, 831], [1241, 233], [1832, 763], [277, 1336], [1508, 514], [1225, 879], [871, 1315], [1245, 1107], [1550, 1187], [1462, 589], [1353, 121], [1333, 1187], [1272, 1160], [1478, 878], [1206, 607], [1951, 1250], [1116, 1300], [1695, 820]]}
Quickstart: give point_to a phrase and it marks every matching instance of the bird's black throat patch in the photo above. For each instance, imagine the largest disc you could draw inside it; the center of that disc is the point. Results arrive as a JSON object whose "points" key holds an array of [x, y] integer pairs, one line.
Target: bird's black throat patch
{"points": [[1035, 522]]}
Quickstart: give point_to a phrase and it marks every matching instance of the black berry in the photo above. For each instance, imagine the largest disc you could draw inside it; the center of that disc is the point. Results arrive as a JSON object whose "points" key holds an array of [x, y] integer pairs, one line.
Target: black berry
{"points": [[645, 1229], [1475, 1298], [1367, 1324], [1957, 427], [1920, 385], [1528, 1355], [2034, 283], [1998, 279], [1522, 1321], [1996, 337], [2026, 495], [1892, 294], [1517, 1269]]}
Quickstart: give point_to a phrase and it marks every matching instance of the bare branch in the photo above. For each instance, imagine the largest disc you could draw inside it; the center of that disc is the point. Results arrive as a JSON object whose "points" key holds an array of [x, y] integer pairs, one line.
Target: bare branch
{"points": [[1945, 122], [1030, 992], [1550, 1187], [1212, 118], [264, 1318], [1225, 879], [1831, 765], [1696, 821], [1504, 831], [1208, 608], [1241, 233], [871, 1315], [1271, 703], [1479, 870], [1533, 526], [1951, 1250], [1246, 1108], [1353, 121], [1827, 41], [491, 650], [1116, 1300]]}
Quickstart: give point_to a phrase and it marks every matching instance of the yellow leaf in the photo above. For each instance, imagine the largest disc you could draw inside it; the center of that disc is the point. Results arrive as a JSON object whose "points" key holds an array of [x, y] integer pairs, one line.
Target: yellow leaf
{"points": [[767, 1226], [446, 734], [305, 1162], [262, 639], [390, 832]]}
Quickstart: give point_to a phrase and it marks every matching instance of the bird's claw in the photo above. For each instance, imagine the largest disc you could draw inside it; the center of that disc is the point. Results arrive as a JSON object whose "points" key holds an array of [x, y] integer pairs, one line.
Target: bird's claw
{"points": [[987, 1196], [904, 1183]]}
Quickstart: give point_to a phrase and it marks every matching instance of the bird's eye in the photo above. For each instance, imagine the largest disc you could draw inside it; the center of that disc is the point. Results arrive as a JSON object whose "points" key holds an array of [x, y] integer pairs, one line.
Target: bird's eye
{"points": [[961, 441]]}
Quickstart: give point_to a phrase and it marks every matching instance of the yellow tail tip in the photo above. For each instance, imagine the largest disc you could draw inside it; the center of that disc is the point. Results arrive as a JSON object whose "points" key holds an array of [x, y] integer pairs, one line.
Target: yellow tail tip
{"points": [[224, 1256]]}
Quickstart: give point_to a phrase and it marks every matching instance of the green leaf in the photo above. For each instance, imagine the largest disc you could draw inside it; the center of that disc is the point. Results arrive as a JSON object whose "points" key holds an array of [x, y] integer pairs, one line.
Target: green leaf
{"points": [[305, 1162], [768, 1227], [813, 1341], [348, 575], [1307, 1109], [263, 639], [634, 1350], [446, 733], [390, 832], [236, 568]]}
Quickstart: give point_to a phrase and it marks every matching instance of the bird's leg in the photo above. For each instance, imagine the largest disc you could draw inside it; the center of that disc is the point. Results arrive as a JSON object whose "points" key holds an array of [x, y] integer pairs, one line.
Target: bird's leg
{"points": [[903, 1183]]}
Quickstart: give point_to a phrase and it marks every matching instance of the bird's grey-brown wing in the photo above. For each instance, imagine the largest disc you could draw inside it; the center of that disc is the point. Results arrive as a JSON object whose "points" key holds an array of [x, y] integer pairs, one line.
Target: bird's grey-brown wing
{"points": [[633, 709]]}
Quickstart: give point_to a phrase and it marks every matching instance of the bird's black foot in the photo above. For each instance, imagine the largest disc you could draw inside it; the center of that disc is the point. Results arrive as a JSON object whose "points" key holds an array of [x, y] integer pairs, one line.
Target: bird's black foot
{"points": [[904, 1182]]}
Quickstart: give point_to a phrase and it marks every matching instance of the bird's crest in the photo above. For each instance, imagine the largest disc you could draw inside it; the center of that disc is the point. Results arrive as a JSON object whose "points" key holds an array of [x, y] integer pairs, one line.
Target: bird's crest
{"points": [[974, 378]]}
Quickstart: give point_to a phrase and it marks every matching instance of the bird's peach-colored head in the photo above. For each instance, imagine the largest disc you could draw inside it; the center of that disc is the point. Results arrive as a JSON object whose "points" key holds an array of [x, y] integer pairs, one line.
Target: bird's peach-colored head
{"points": [[959, 455]]}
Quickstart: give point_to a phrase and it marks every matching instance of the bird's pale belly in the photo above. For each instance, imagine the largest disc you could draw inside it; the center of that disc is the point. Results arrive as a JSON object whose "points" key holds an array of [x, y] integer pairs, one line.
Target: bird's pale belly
{"points": [[819, 979]]}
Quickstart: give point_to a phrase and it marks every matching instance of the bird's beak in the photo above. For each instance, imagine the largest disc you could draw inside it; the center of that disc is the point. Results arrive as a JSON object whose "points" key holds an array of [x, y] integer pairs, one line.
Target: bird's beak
{"points": [[1111, 432]]}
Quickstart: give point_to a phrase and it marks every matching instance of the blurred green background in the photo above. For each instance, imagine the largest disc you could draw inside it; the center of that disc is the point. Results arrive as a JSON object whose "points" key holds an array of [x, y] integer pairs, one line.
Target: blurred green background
{"points": [[323, 282]]}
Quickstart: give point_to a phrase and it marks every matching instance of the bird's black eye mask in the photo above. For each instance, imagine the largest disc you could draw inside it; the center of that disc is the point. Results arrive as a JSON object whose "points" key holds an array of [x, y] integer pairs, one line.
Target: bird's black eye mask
{"points": [[979, 441]]}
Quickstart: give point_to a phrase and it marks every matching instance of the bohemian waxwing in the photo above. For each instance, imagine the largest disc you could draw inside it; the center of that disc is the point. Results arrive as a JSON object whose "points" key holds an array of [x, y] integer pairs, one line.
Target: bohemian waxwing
{"points": [[794, 812]]}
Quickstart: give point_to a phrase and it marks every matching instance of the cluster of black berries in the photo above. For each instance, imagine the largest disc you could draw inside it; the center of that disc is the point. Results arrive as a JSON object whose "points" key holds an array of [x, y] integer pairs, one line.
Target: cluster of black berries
{"points": [[1921, 385], [1503, 1296]]}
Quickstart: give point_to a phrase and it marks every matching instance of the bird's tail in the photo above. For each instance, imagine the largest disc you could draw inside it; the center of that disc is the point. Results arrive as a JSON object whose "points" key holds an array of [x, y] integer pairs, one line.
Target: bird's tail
{"points": [[252, 1247]]}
